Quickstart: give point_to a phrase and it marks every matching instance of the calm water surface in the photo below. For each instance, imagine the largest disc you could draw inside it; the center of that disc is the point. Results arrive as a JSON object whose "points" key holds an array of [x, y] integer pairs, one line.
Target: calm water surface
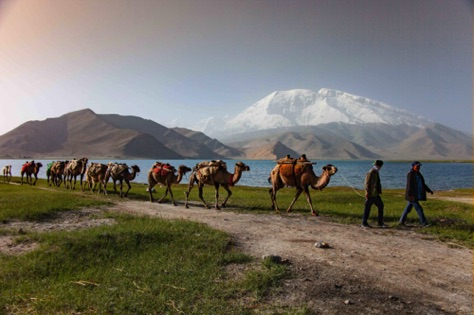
{"points": [[438, 176]]}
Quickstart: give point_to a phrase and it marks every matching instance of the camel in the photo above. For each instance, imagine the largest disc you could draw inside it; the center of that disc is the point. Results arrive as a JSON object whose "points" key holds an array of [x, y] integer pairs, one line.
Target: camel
{"points": [[55, 171], [299, 174], [165, 174], [7, 173], [29, 169], [96, 174], [73, 169], [121, 173], [214, 173]]}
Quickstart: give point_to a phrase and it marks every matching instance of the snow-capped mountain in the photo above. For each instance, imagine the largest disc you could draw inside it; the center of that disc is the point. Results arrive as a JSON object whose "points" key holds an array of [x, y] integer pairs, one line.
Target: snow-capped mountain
{"points": [[308, 108]]}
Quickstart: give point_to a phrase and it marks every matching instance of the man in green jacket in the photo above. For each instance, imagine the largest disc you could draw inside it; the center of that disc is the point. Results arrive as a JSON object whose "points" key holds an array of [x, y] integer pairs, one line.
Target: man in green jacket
{"points": [[373, 190]]}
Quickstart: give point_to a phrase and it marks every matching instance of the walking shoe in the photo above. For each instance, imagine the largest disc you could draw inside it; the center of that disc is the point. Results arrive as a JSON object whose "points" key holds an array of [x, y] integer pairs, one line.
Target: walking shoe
{"points": [[365, 226], [426, 225], [383, 226], [402, 223]]}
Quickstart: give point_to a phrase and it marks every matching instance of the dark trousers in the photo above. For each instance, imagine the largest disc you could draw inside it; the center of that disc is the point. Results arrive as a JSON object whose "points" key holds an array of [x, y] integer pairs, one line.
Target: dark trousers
{"points": [[419, 211], [377, 201]]}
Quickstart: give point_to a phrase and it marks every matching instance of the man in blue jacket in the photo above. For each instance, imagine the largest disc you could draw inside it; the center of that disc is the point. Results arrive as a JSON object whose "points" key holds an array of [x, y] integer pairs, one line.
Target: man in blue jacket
{"points": [[416, 190]]}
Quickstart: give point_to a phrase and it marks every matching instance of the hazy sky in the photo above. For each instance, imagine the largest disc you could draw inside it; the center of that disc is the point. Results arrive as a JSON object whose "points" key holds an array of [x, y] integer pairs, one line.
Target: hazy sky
{"points": [[179, 61]]}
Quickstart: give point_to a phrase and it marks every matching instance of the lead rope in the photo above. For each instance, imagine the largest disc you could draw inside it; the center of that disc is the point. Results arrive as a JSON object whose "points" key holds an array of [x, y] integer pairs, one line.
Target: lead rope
{"points": [[351, 186]]}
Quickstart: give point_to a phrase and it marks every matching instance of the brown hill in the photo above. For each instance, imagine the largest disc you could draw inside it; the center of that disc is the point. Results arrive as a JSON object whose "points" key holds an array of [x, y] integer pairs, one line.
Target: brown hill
{"points": [[369, 141], [84, 133]]}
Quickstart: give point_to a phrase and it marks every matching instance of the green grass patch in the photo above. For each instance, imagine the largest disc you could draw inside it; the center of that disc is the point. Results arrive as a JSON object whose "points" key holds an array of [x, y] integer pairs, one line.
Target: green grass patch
{"points": [[140, 265], [34, 203]]}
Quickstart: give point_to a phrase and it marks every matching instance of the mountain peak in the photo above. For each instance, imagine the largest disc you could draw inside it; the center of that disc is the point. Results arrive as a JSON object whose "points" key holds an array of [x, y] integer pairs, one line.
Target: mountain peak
{"points": [[301, 107]]}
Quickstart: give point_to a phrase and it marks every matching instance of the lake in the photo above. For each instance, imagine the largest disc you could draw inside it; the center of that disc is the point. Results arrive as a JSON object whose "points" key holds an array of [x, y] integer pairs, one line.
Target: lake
{"points": [[438, 176]]}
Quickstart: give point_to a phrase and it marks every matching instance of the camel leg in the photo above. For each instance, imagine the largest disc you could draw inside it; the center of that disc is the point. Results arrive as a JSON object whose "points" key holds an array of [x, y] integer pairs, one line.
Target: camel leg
{"points": [[103, 186], [150, 188], [168, 188], [80, 181], [163, 197], [299, 190], [186, 195], [229, 193], [36, 179], [308, 198], [190, 186], [273, 192], [216, 186], [200, 186], [172, 197], [121, 186], [129, 186]]}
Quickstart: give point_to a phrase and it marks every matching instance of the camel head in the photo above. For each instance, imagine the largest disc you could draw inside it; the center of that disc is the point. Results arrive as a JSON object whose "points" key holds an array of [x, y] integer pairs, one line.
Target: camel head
{"points": [[323, 180], [241, 167], [135, 168], [183, 169], [330, 169]]}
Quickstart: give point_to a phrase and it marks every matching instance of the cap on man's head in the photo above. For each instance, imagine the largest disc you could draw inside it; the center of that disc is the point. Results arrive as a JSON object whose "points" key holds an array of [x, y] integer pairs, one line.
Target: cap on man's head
{"points": [[415, 163], [378, 163]]}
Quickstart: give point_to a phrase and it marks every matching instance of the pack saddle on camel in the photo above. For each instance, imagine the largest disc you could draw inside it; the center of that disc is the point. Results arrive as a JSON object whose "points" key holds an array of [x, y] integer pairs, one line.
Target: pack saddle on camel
{"points": [[73, 169], [165, 174], [7, 173], [120, 172], [95, 175], [298, 173], [30, 169], [214, 173], [55, 172]]}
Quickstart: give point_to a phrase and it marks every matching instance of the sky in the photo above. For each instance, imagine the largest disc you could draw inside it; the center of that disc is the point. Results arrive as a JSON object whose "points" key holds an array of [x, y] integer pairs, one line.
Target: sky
{"points": [[177, 62]]}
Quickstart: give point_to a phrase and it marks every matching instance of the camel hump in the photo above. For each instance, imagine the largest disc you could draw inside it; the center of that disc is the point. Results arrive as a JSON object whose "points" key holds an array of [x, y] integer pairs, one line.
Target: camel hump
{"points": [[288, 170], [212, 163], [287, 160], [163, 168], [211, 167], [119, 168]]}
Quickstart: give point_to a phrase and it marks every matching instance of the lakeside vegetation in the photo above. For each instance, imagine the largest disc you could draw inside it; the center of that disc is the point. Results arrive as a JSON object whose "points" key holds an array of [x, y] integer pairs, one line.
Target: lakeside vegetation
{"points": [[149, 265]]}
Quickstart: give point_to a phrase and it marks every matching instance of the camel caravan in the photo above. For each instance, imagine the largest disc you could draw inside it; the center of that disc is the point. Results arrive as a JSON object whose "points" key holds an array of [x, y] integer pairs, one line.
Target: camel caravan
{"points": [[288, 172]]}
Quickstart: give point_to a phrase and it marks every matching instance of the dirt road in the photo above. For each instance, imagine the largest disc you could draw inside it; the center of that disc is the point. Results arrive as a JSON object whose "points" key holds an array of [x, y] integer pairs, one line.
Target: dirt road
{"points": [[363, 271]]}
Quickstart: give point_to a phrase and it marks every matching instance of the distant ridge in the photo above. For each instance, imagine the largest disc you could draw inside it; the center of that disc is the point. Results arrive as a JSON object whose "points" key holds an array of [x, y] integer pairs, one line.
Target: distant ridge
{"points": [[85, 133]]}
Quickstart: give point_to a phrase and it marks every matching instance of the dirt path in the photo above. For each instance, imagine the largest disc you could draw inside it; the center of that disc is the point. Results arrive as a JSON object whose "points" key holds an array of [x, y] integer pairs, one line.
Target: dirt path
{"points": [[389, 271], [365, 270]]}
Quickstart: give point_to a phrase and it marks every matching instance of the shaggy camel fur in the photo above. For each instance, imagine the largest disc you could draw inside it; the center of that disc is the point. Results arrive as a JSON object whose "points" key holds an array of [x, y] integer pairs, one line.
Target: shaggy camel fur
{"points": [[216, 176], [73, 169], [300, 175], [96, 174], [121, 173], [7, 173], [28, 169], [165, 174], [56, 173]]}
